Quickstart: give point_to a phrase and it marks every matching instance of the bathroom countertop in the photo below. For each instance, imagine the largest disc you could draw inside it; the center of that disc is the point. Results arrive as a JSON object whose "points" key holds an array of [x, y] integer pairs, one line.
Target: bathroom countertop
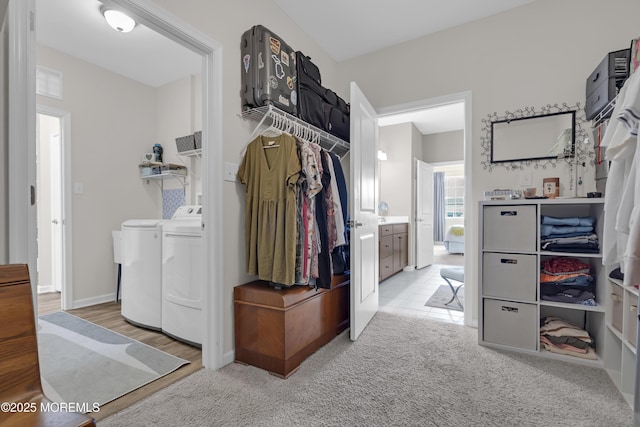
{"points": [[393, 220]]}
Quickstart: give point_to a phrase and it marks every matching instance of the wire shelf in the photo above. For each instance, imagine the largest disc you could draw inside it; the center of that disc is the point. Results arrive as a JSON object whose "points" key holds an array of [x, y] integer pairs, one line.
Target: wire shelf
{"points": [[604, 114], [270, 116]]}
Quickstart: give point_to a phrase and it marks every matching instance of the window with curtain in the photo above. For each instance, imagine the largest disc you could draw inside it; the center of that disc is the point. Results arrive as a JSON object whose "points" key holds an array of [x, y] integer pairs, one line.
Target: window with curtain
{"points": [[438, 206], [454, 194]]}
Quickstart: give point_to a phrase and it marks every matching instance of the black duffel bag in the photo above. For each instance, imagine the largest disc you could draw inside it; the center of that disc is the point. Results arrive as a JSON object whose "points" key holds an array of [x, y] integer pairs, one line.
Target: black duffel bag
{"points": [[317, 105]]}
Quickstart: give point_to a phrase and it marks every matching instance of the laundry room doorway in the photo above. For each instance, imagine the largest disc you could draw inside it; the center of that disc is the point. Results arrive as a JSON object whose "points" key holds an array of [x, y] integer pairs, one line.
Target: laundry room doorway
{"points": [[22, 153]]}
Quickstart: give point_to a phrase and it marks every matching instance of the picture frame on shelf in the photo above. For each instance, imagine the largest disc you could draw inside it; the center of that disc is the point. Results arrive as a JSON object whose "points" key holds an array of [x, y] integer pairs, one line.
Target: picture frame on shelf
{"points": [[551, 187]]}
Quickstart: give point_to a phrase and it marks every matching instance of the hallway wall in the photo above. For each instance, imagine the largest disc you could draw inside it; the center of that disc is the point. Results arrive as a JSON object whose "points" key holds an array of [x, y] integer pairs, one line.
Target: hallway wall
{"points": [[518, 58]]}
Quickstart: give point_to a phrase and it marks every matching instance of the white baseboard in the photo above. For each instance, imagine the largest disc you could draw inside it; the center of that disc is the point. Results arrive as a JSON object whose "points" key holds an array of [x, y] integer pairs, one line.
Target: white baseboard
{"points": [[93, 301], [46, 289], [229, 357]]}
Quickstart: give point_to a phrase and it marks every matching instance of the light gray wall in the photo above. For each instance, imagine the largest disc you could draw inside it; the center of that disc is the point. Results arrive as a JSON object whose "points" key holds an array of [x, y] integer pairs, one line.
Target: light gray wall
{"points": [[179, 113], [3, 9], [113, 122], [395, 172], [519, 58], [443, 147]]}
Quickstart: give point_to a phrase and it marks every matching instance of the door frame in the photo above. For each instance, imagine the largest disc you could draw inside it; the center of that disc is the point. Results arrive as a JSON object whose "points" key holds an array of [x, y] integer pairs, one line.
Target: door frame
{"points": [[22, 116], [470, 288], [66, 202]]}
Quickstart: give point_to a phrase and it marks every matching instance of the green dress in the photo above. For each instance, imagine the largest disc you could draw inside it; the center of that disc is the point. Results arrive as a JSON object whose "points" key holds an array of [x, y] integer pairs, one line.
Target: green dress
{"points": [[270, 175]]}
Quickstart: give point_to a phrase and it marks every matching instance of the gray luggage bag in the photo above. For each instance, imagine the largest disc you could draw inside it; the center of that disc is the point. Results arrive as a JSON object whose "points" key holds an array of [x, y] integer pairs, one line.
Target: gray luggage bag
{"points": [[268, 71]]}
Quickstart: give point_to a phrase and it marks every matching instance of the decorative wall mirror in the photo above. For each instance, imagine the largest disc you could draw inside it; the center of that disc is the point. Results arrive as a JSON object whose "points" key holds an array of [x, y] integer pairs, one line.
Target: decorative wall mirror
{"points": [[538, 137]]}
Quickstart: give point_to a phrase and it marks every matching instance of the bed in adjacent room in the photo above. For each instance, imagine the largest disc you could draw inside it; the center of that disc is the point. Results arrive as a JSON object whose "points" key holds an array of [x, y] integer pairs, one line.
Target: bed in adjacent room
{"points": [[454, 239]]}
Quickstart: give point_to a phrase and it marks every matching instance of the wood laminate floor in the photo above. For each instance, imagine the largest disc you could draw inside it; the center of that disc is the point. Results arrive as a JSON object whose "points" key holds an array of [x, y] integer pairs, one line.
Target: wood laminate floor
{"points": [[108, 316]]}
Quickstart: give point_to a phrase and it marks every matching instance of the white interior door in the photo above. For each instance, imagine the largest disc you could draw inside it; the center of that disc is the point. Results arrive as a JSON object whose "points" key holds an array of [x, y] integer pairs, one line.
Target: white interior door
{"points": [[424, 214], [363, 200], [57, 218]]}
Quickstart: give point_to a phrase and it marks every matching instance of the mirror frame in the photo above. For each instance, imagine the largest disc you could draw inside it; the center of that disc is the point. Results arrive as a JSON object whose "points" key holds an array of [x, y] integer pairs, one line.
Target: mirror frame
{"points": [[537, 116], [583, 153]]}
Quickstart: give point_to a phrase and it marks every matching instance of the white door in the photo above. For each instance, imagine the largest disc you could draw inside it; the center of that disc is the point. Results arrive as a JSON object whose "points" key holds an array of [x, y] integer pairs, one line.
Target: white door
{"points": [[424, 214], [53, 132], [363, 199], [57, 218]]}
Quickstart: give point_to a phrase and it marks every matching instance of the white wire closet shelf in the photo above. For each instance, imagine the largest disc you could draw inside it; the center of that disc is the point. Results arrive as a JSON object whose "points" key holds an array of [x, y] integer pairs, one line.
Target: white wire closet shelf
{"points": [[604, 114], [270, 117]]}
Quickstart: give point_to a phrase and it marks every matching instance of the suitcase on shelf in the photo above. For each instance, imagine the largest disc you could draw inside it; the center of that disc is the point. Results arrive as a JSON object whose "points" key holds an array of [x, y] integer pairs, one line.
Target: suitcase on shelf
{"points": [[318, 105], [268, 71], [605, 81]]}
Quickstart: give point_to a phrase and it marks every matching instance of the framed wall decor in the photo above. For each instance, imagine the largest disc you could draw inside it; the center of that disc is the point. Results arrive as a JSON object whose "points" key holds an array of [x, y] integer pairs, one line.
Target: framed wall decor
{"points": [[551, 187]]}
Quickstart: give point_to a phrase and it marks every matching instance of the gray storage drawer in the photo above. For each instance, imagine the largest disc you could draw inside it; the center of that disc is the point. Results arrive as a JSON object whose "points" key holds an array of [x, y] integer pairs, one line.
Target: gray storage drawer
{"points": [[511, 324], [510, 276], [510, 228]]}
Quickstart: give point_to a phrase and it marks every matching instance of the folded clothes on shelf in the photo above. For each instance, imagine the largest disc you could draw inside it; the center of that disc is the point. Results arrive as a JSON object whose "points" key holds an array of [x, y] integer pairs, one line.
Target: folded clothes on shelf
{"points": [[569, 234], [567, 280], [563, 337], [571, 221], [616, 273], [565, 230], [564, 265]]}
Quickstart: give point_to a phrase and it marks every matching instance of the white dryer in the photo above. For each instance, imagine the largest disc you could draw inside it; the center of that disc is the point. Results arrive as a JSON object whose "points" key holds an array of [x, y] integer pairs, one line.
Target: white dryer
{"points": [[182, 278], [141, 279]]}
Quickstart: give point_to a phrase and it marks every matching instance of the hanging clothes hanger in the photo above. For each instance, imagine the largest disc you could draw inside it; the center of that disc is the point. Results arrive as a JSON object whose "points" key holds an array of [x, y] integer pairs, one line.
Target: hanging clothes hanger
{"points": [[270, 130], [275, 129]]}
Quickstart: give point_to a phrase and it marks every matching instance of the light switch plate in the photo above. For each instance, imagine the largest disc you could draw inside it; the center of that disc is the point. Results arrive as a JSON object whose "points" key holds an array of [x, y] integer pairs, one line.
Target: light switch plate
{"points": [[231, 171], [526, 179]]}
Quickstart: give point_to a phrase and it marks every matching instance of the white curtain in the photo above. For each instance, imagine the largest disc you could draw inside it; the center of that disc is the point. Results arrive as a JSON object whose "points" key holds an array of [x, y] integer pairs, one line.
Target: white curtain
{"points": [[438, 206]]}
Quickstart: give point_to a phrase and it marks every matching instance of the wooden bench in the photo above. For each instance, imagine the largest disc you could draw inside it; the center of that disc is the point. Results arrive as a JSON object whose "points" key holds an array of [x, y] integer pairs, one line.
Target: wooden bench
{"points": [[21, 394]]}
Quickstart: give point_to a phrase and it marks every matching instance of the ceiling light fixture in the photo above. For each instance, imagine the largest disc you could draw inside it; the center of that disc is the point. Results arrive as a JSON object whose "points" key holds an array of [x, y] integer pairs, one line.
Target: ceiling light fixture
{"points": [[118, 20]]}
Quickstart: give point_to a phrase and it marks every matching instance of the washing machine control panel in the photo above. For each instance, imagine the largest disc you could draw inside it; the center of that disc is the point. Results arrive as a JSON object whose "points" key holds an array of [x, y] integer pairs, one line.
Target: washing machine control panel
{"points": [[188, 211]]}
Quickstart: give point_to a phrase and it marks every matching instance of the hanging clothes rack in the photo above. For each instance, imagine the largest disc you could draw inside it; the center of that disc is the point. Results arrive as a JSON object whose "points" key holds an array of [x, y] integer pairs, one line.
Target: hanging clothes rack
{"points": [[272, 118]]}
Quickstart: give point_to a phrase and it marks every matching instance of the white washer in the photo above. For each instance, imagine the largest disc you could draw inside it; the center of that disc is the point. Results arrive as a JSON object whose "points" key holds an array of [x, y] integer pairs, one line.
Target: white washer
{"points": [[182, 279], [142, 272]]}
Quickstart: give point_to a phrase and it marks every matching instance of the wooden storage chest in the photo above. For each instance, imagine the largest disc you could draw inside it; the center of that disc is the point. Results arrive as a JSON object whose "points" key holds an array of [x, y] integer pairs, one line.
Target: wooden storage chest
{"points": [[277, 329]]}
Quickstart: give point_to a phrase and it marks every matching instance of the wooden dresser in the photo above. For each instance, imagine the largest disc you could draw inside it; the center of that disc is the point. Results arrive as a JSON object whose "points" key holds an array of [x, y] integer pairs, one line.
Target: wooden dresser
{"points": [[277, 329], [394, 248]]}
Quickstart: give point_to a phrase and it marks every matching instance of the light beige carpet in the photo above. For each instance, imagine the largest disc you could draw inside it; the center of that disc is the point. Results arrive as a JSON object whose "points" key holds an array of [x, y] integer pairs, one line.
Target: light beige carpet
{"points": [[403, 372]]}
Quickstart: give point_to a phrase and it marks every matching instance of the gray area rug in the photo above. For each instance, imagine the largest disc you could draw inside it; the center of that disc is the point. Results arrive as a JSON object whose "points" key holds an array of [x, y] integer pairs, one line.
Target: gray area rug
{"points": [[442, 295], [86, 363], [402, 371]]}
